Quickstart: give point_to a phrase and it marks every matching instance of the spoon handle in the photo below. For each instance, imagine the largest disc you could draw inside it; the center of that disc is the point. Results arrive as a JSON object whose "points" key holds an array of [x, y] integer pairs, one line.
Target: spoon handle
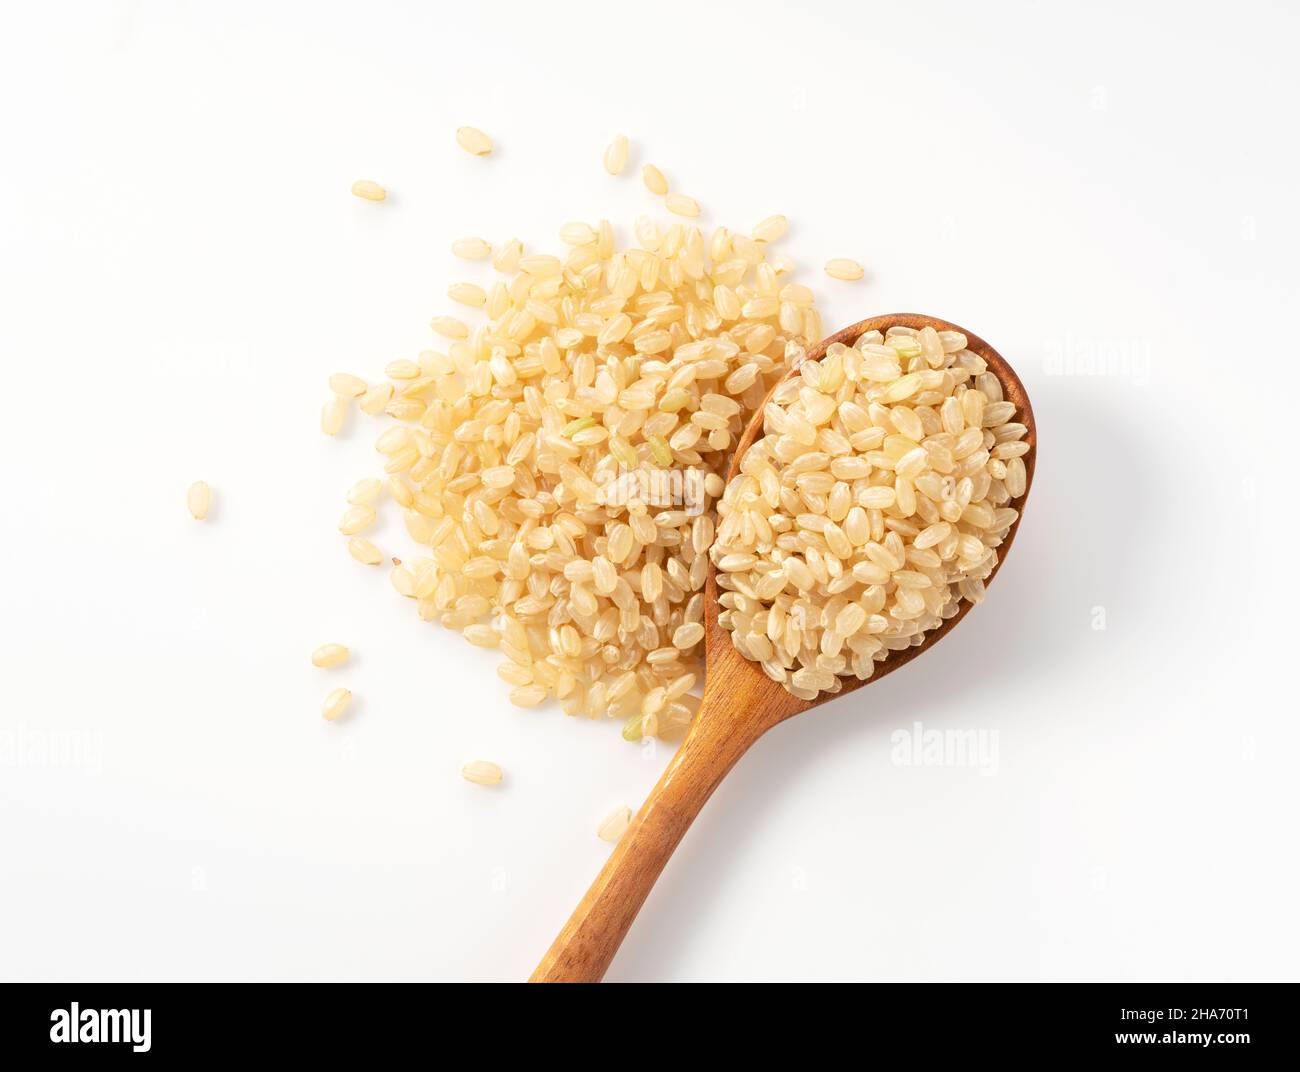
{"points": [[588, 942]]}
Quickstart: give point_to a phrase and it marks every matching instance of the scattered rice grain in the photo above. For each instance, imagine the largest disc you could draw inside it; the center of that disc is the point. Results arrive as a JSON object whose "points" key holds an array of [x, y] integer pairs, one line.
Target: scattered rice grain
{"points": [[368, 191], [471, 249], [654, 180], [199, 500], [843, 268], [334, 415], [347, 386], [335, 704], [474, 141], [614, 825], [616, 155], [770, 229], [329, 655], [364, 551], [481, 772], [356, 518]]}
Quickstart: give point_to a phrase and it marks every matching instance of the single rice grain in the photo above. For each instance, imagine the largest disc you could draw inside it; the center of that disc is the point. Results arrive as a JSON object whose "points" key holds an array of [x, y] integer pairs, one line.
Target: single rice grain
{"points": [[654, 180], [329, 655], [199, 500], [681, 205], [368, 191], [473, 141], [614, 825], [770, 229], [356, 518], [347, 386], [335, 704], [616, 155], [334, 415], [843, 268], [471, 249], [364, 551], [481, 772]]}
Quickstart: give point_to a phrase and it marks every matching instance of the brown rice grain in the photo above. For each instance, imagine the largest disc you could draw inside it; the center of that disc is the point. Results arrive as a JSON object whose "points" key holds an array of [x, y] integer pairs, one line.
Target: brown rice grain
{"points": [[481, 772], [347, 386], [473, 141], [845, 269], [471, 249], [526, 458], [199, 500], [654, 180], [368, 191], [770, 229], [616, 155], [335, 704], [333, 415], [614, 825], [364, 551], [329, 655]]}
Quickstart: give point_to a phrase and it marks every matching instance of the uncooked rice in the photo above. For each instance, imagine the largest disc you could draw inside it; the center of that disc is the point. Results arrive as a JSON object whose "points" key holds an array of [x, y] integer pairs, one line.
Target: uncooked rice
{"points": [[681, 205], [845, 269], [873, 503], [473, 140], [614, 825], [333, 415], [365, 492], [481, 772], [770, 229], [471, 249], [616, 155], [329, 655], [364, 551], [356, 519], [654, 180], [199, 500], [558, 465], [342, 383], [470, 294], [368, 191], [335, 704]]}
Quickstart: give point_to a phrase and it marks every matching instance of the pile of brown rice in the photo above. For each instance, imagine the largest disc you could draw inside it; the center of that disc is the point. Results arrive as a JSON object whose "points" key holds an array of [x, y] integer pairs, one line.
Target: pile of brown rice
{"points": [[559, 463], [873, 503]]}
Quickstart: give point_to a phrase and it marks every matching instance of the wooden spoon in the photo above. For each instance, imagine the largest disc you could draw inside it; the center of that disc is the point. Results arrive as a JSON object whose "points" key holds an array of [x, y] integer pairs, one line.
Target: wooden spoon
{"points": [[740, 704]]}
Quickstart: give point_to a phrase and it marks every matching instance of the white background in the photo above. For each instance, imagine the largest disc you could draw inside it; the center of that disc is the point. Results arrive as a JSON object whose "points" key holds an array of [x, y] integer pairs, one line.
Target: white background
{"points": [[1104, 192]]}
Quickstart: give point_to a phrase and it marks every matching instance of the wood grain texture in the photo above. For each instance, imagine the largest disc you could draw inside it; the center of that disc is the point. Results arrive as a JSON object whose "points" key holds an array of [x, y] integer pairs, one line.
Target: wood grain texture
{"points": [[740, 704]]}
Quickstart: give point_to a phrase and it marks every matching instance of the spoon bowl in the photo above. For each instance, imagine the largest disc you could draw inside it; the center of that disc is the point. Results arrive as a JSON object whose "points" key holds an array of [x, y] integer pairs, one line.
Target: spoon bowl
{"points": [[740, 704]]}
